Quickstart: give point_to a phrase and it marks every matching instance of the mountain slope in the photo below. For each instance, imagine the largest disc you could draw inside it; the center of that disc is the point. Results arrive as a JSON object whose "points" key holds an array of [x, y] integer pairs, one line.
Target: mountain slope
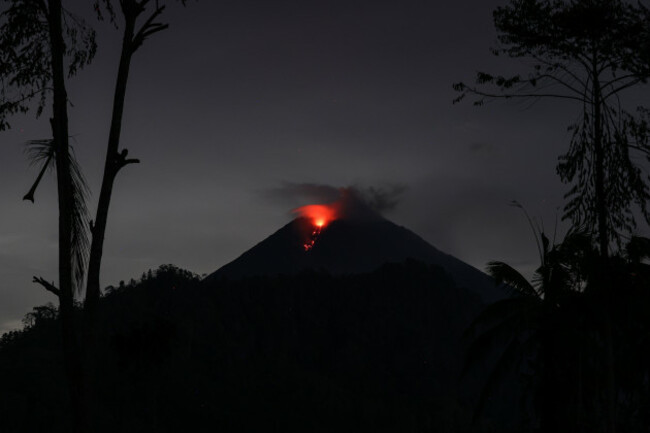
{"points": [[349, 246]]}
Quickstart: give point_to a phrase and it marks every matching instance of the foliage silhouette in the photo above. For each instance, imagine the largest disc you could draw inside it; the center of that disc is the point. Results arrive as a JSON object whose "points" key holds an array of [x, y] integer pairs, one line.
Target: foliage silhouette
{"points": [[41, 45], [587, 52], [552, 333], [531, 326], [26, 54], [309, 352]]}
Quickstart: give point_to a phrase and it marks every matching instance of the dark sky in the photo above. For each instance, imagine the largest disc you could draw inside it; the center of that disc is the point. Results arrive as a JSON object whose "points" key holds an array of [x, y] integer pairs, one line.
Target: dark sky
{"points": [[239, 103]]}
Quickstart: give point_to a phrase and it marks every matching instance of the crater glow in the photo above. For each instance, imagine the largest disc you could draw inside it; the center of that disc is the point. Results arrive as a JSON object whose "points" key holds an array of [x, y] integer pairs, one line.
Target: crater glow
{"points": [[320, 215]]}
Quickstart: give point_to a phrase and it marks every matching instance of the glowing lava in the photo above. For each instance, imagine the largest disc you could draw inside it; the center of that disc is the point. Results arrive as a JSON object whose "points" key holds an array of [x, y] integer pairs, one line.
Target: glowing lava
{"points": [[312, 239], [320, 215]]}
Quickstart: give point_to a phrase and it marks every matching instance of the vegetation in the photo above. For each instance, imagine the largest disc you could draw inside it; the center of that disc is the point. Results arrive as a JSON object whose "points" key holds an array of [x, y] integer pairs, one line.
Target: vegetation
{"points": [[41, 45], [305, 353], [589, 53], [571, 331], [551, 333]]}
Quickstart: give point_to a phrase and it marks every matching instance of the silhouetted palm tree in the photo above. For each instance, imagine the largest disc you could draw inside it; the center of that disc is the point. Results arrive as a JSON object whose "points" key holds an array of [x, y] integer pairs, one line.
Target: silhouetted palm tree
{"points": [[534, 326], [44, 152]]}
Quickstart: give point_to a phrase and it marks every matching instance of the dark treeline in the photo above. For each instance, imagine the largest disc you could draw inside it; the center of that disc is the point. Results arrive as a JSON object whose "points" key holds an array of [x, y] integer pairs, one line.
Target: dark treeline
{"points": [[374, 352]]}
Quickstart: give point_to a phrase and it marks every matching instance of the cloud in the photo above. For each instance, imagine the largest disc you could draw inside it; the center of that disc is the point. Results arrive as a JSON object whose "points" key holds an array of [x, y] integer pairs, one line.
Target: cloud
{"points": [[356, 200], [291, 193], [382, 199]]}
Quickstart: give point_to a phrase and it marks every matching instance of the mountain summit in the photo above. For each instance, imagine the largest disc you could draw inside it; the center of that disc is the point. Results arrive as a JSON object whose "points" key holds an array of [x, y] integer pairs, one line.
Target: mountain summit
{"points": [[348, 245]]}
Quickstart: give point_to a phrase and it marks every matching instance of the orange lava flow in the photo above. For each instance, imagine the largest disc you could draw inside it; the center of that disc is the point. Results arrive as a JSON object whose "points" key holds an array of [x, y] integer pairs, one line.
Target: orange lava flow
{"points": [[312, 239], [320, 216]]}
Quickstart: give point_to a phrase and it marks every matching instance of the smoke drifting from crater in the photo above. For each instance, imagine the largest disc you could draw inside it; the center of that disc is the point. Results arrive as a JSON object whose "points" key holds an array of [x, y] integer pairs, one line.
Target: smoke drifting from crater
{"points": [[352, 202]]}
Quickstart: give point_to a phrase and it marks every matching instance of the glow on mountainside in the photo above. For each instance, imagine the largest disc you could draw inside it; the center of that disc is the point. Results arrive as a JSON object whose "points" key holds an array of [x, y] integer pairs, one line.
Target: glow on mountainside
{"points": [[320, 215]]}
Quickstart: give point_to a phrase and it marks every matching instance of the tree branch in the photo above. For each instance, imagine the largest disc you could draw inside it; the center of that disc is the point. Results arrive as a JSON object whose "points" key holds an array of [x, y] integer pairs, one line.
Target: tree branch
{"points": [[121, 160], [475, 91], [559, 65], [621, 87], [622, 77], [148, 29], [50, 287], [559, 81], [25, 97]]}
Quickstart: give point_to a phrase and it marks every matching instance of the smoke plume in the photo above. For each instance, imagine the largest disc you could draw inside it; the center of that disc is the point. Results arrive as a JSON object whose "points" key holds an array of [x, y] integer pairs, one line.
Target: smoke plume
{"points": [[350, 202]]}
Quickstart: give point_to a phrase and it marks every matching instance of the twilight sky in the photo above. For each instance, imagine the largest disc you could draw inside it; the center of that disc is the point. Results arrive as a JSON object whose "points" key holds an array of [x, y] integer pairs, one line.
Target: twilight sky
{"points": [[240, 102]]}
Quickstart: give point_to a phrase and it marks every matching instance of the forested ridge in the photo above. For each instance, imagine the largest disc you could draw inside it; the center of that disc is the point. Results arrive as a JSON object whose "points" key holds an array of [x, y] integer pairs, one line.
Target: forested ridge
{"points": [[380, 351]]}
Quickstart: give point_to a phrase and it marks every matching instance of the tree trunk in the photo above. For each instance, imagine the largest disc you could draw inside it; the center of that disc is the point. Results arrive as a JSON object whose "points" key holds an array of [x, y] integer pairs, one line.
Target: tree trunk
{"points": [[71, 349], [599, 168], [111, 167], [603, 241]]}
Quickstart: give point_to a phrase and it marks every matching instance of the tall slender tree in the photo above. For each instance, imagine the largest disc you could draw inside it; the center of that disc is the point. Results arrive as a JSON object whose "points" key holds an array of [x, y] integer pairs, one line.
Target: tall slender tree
{"points": [[133, 36], [588, 52], [41, 44]]}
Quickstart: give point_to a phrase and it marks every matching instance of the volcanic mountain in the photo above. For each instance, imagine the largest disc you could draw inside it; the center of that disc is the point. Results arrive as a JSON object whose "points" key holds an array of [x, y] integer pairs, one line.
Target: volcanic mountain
{"points": [[348, 245]]}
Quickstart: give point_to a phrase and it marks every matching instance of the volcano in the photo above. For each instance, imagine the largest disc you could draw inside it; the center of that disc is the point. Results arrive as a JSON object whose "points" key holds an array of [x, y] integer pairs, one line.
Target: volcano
{"points": [[346, 246]]}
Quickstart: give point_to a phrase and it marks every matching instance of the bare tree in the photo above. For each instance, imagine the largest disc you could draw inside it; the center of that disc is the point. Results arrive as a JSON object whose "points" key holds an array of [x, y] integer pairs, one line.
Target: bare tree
{"points": [[39, 40], [133, 37]]}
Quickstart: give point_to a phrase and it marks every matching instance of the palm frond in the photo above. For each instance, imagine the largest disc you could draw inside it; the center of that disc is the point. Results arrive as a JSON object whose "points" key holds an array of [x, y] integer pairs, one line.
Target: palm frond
{"points": [[39, 150], [44, 151], [534, 226], [80, 223], [503, 273]]}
